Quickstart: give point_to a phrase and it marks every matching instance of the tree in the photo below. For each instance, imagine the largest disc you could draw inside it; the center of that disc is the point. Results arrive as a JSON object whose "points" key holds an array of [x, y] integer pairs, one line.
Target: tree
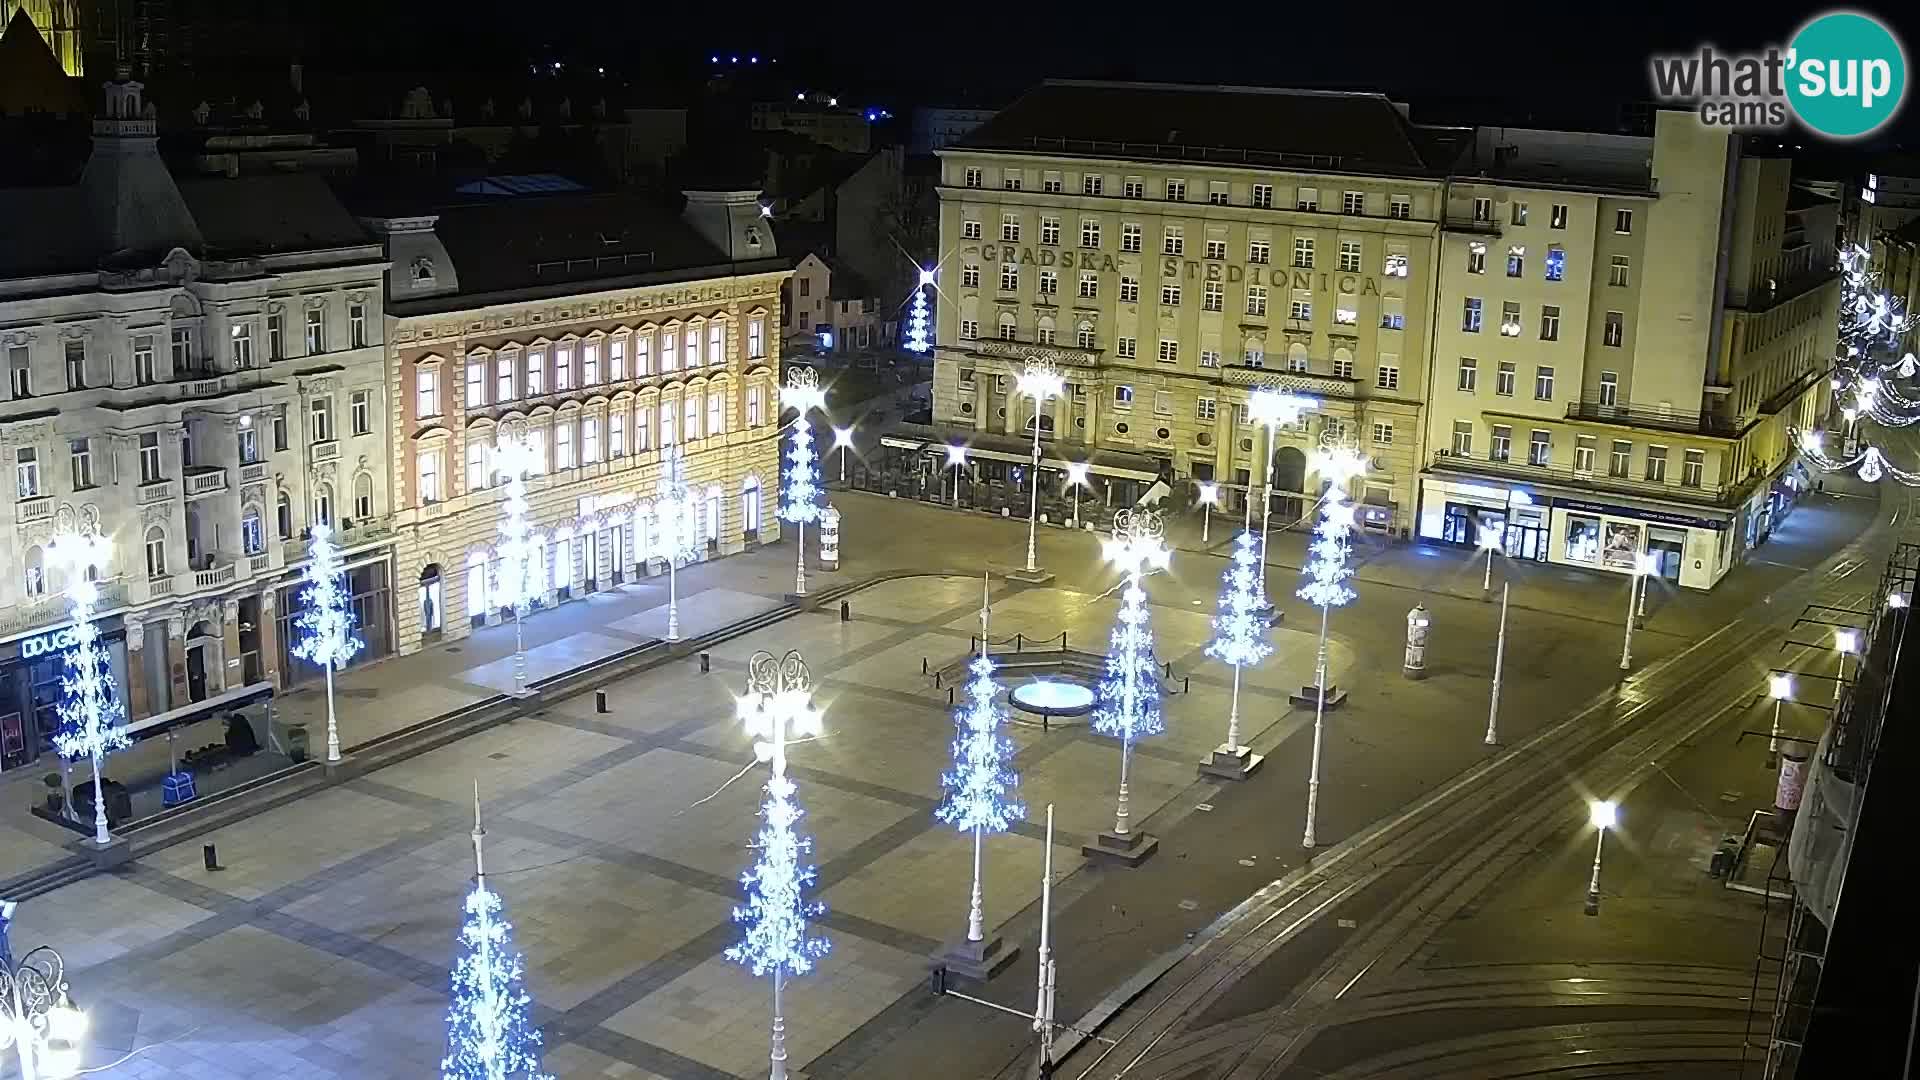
{"points": [[326, 626], [1239, 628], [980, 785], [93, 722], [490, 1032]]}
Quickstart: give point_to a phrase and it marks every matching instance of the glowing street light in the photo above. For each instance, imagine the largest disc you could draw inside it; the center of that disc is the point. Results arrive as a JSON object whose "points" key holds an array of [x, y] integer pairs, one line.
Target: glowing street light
{"points": [[1780, 689], [1604, 815], [1273, 410], [36, 1015], [956, 457], [1040, 381], [1209, 498], [1326, 587], [1644, 564], [843, 441], [1847, 642], [1897, 600], [1077, 479]]}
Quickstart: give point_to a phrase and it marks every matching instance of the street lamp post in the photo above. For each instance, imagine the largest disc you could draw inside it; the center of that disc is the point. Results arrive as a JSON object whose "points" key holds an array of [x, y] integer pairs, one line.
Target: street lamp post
{"points": [[1338, 465], [40, 1020], [1138, 545], [1847, 642], [1076, 479], [1643, 565], [1603, 814], [1499, 660], [1273, 409], [1039, 381], [801, 393], [843, 441], [956, 457], [93, 721], [515, 456], [1209, 496], [674, 537], [1780, 688], [1489, 540]]}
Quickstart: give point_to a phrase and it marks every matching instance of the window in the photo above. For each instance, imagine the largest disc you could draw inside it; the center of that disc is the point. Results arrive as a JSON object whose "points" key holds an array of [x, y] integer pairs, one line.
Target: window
{"points": [[1540, 447], [1173, 241], [1619, 270], [590, 438], [1519, 213], [1556, 263], [1617, 462], [1050, 231], [1009, 276], [1009, 330], [1011, 180], [180, 347], [1089, 284], [969, 329], [26, 472], [1386, 374], [1476, 258], [973, 178], [1217, 193], [1349, 256], [426, 384], [1543, 383], [1049, 282], [1510, 318], [590, 362], [1342, 366], [1089, 233], [1125, 348], [1392, 314], [1259, 251], [1162, 403], [1397, 263], [1501, 446], [1550, 322], [1623, 221], [1091, 184], [1263, 196], [1300, 307], [323, 504], [504, 388], [1503, 379], [1044, 333], [320, 420], [1614, 330], [1209, 358], [360, 408], [1656, 464], [1306, 198], [253, 531], [316, 331], [1129, 291], [1583, 447], [1400, 206], [80, 453], [76, 355], [156, 552], [1470, 318], [1693, 466], [1176, 191], [1469, 379], [537, 372], [1205, 408], [694, 358], [969, 230], [1009, 228], [1382, 433], [617, 356], [1557, 218], [1583, 538], [477, 472], [1170, 295], [1129, 237], [1463, 438], [1303, 252], [1084, 336], [280, 428], [1346, 310], [1483, 209], [969, 276], [756, 338], [1169, 351], [1353, 202], [1609, 389], [357, 325], [1134, 188], [276, 336], [1256, 299], [617, 433], [20, 371], [1216, 249], [1050, 183], [1214, 297], [476, 383], [1297, 358], [430, 476], [143, 367], [1516, 261]]}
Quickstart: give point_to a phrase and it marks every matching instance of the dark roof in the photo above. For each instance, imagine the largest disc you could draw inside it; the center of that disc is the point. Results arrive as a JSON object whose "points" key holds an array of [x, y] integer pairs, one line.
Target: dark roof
{"points": [[30, 75], [1799, 198], [1225, 125], [265, 215], [48, 231]]}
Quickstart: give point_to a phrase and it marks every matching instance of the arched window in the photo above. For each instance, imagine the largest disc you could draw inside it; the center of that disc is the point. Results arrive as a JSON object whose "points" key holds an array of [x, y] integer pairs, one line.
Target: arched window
{"points": [[710, 523], [253, 530], [750, 506], [363, 497], [1256, 352], [1296, 357], [1343, 363], [1009, 327], [1044, 333], [36, 572], [156, 552], [283, 515], [1084, 337], [323, 504]]}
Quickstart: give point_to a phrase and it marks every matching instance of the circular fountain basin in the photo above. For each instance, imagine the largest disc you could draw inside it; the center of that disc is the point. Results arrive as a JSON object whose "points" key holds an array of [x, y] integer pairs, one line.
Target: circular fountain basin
{"points": [[1053, 698]]}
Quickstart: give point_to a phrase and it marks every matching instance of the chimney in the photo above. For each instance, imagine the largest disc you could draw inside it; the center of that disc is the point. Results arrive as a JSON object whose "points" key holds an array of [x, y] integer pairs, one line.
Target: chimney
{"points": [[733, 222]]}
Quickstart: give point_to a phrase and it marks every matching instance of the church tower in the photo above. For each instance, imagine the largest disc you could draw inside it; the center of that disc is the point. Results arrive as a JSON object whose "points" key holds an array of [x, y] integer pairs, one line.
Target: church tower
{"points": [[59, 24]]}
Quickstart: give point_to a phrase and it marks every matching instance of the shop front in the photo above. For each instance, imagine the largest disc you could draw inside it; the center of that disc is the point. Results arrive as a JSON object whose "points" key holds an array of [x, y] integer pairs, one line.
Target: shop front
{"points": [[368, 582], [1458, 513], [1689, 551], [31, 670]]}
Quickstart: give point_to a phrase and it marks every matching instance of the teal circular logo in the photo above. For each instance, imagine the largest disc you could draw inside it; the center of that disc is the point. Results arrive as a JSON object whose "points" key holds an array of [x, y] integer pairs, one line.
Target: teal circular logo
{"points": [[1846, 74]]}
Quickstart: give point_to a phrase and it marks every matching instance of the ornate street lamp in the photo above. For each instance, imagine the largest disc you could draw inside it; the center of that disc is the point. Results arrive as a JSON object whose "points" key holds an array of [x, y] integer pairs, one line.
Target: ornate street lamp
{"points": [[1039, 381], [1273, 410], [37, 1017]]}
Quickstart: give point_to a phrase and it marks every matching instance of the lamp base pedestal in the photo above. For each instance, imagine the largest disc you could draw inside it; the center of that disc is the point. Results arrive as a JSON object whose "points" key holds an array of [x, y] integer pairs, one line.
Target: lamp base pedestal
{"points": [[1309, 698], [116, 852], [976, 961], [1030, 577], [1129, 850], [1232, 763]]}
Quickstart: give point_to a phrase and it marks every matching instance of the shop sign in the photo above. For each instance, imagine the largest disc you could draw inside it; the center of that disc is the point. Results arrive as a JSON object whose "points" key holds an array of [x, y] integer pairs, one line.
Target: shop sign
{"points": [[1660, 516], [49, 643]]}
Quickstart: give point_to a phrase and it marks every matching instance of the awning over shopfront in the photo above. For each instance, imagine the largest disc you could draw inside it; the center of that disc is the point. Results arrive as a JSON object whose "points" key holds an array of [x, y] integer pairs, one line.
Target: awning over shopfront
{"points": [[158, 724]]}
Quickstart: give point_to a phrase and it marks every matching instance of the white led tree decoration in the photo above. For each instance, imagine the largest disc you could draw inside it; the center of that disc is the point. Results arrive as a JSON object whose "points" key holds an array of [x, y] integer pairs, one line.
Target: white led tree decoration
{"points": [[1326, 586], [776, 940], [490, 1032], [1240, 641], [980, 787], [93, 722], [801, 394], [918, 316], [675, 531], [514, 457], [1272, 409], [326, 623], [1128, 697]]}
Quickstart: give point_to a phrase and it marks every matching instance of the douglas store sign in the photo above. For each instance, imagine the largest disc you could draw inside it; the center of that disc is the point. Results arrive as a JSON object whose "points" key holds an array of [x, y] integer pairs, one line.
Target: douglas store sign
{"points": [[48, 643]]}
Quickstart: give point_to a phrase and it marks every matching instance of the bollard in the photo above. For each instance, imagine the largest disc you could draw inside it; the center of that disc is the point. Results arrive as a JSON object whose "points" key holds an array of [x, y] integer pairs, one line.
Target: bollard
{"points": [[600, 701], [210, 857], [1169, 669], [936, 680], [846, 611], [923, 660], [706, 663], [949, 695], [1186, 684]]}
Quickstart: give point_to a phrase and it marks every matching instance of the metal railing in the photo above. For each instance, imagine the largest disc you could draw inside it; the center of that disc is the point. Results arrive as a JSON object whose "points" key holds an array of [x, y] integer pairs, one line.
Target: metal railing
{"points": [[1592, 408]]}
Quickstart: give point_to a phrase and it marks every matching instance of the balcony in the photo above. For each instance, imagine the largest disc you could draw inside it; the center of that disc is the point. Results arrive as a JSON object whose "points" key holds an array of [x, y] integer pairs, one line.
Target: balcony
{"points": [[206, 384], [205, 480], [1655, 418], [1022, 351], [37, 508], [51, 609], [259, 564], [216, 576], [347, 539], [154, 491], [253, 472], [1446, 461], [1296, 382], [1467, 223], [160, 586], [325, 451]]}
